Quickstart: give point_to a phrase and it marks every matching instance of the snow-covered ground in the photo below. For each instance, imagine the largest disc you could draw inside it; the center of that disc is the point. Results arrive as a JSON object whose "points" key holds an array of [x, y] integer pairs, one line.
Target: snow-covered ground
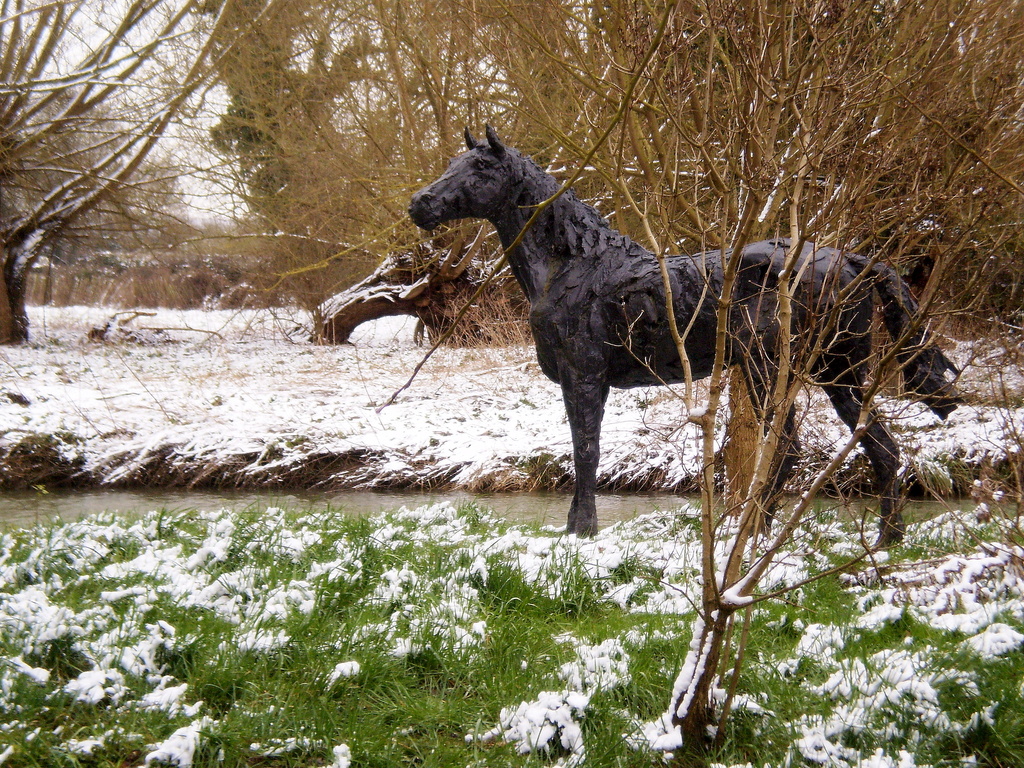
{"points": [[227, 398], [913, 680]]}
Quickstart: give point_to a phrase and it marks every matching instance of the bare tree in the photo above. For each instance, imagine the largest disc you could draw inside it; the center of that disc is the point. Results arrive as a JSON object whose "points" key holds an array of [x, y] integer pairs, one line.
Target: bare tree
{"points": [[893, 129], [341, 110], [85, 96], [336, 113]]}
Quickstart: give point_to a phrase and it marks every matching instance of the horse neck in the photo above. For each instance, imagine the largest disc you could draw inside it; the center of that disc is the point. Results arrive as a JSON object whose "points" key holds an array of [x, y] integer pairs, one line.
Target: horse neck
{"points": [[531, 260], [528, 261]]}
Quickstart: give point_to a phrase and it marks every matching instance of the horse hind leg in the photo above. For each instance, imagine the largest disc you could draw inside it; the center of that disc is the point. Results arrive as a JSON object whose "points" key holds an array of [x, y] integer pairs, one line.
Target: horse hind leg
{"points": [[884, 456]]}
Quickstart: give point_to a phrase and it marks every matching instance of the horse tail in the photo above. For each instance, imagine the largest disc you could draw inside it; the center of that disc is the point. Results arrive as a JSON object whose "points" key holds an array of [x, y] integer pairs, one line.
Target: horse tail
{"points": [[927, 372]]}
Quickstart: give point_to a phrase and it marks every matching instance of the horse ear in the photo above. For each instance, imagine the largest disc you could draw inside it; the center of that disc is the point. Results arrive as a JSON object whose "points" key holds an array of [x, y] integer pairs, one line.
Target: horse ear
{"points": [[494, 141], [470, 141]]}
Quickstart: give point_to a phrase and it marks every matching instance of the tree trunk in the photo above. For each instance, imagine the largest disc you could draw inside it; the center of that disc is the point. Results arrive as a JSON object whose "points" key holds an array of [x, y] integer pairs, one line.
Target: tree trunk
{"points": [[6, 316], [344, 317], [692, 708], [742, 438], [13, 317], [435, 302]]}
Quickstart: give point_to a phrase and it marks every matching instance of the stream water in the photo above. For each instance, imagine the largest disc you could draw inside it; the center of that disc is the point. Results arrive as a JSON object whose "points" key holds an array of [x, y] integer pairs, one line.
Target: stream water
{"points": [[26, 508]]}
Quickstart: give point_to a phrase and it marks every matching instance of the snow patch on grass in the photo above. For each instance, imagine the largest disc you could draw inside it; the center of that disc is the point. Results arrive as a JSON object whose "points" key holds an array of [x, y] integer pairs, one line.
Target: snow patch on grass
{"points": [[188, 627]]}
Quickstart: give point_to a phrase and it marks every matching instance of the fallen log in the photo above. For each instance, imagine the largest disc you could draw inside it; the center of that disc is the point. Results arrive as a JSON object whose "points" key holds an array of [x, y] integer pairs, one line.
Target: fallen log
{"points": [[430, 289]]}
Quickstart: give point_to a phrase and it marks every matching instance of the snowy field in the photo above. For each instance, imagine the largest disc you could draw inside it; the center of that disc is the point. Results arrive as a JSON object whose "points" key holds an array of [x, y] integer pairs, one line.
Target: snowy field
{"points": [[444, 637], [237, 399]]}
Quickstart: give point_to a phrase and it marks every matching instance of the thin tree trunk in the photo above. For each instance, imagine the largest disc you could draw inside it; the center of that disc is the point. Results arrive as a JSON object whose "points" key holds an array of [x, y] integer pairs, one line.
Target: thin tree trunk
{"points": [[742, 438], [692, 707], [6, 316], [13, 317]]}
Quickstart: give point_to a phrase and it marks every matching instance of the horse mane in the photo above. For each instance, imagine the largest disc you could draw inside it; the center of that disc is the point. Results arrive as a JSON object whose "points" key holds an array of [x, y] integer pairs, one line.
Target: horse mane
{"points": [[577, 226]]}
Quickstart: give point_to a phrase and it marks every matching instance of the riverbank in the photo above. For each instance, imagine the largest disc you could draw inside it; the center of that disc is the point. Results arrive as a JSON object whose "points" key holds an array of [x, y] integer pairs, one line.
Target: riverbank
{"points": [[229, 400], [441, 636]]}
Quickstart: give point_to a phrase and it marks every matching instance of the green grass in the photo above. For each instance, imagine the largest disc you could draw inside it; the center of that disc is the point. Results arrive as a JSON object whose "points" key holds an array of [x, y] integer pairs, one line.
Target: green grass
{"points": [[453, 618]]}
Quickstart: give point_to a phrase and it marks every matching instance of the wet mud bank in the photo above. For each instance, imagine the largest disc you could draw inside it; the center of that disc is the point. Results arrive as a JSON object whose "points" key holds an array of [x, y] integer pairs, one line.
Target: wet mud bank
{"points": [[45, 461], [238, 405]]}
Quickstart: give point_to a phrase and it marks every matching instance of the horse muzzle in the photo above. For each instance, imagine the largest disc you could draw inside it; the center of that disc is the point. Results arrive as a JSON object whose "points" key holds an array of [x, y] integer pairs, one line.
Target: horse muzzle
{"points": [[423, 210]]}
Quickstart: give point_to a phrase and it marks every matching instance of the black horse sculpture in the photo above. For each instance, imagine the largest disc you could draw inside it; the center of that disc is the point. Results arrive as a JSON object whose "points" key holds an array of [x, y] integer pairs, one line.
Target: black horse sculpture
{"points": [[599, 319]]}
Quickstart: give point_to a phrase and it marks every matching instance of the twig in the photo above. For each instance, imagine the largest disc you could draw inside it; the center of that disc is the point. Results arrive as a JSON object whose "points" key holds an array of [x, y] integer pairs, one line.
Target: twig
{"points": [[156, 400], [182, 330]]}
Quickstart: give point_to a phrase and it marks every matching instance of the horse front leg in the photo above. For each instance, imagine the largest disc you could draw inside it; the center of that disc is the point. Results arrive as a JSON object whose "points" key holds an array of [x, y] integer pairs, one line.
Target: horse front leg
{"points": [[884, 455], [584, 398]]}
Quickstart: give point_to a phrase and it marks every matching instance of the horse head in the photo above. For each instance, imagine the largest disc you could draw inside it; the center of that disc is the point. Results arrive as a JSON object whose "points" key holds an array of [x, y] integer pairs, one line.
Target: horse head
{"points": [[477, 184]]}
